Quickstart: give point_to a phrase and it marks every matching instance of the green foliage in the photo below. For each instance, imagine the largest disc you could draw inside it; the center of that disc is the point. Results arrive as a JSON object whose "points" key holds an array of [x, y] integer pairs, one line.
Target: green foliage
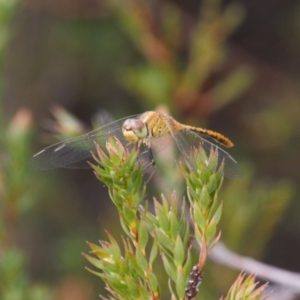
{"points": [[256, 214], [14, 284], [129, 273], [7, 8], [202, 189], [128, 276], [165, 75], [15, 196], [251, 209], [16, 200], [245, 288]]}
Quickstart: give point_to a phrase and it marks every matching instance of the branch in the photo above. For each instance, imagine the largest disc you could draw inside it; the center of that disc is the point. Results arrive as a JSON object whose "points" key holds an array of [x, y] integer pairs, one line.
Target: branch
{"points": [[224, 256]]}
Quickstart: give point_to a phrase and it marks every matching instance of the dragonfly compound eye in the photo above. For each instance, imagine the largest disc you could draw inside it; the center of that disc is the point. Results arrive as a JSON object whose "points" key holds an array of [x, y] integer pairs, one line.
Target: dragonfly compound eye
{"points": [[134, 129], [139, 128]]}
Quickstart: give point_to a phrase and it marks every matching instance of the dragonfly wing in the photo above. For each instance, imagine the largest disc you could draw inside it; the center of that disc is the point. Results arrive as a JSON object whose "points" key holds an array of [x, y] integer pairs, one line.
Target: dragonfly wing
{"points": [[75, 153], [160, 143], [187, 140], [63, 155]]}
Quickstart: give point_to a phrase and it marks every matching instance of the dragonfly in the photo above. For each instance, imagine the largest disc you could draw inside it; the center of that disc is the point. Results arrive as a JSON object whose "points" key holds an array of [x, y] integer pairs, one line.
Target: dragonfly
{"points": [[151, 130]]}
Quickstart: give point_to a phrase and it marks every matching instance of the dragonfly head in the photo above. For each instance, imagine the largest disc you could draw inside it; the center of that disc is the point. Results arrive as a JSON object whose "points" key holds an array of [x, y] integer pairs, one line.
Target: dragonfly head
{"points": [[134, 130]]}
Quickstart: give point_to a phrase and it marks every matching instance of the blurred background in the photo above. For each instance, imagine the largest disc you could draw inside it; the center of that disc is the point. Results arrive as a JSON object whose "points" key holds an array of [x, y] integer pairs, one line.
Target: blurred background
{"points": [[231, 66]]}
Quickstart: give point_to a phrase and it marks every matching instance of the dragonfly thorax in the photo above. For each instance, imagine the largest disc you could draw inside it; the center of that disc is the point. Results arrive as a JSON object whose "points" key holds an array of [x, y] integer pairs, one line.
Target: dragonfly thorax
{"points": [[134, 130]]}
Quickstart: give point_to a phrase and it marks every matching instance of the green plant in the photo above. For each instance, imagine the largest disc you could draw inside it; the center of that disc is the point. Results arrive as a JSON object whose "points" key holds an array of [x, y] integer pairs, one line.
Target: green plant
{"points": [[129, 272], [16, 199]]}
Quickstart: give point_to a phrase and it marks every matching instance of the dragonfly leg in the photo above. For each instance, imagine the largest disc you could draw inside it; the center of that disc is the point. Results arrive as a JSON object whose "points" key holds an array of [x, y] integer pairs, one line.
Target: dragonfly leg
{"points": [[148, 151], [151, 163], [151, 158]]}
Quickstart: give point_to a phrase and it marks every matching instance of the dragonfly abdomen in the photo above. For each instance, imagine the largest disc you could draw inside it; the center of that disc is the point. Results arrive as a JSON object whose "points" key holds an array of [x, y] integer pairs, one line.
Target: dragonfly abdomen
{"points": [[220, 138]]}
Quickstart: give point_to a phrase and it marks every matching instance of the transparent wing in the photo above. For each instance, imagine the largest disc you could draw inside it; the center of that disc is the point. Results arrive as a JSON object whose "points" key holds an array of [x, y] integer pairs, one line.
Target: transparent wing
{"points": [[160, 143], [75, 153], [187, 140]]}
